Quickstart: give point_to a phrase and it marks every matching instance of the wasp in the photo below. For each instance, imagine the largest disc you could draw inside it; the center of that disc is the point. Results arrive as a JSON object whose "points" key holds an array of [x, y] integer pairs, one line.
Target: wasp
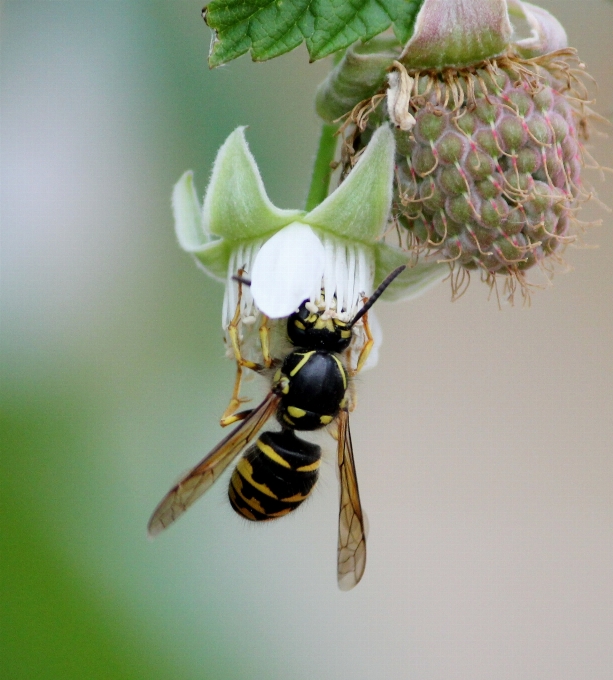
{"points": [[279, 470]]}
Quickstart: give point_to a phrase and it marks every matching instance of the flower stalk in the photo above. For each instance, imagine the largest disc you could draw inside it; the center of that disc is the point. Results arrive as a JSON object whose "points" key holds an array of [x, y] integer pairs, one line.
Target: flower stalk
{"points": [[322, 168]]}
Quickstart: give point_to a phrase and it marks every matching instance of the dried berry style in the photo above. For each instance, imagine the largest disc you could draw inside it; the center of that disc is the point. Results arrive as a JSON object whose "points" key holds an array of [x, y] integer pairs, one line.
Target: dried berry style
{"points": [[489, 177]]}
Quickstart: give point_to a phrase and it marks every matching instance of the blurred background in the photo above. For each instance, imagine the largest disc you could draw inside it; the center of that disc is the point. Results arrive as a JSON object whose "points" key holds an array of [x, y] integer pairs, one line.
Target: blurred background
{"points": [[483, 439]]}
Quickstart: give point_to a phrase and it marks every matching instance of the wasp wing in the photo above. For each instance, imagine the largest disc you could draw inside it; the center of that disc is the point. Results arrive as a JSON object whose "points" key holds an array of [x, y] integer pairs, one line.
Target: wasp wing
{"points": [[351, 533], [203, 476]]}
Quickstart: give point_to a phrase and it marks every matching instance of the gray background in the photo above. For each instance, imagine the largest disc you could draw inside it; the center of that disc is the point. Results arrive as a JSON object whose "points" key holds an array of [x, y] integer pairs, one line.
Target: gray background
{"points": [[483, 438]]}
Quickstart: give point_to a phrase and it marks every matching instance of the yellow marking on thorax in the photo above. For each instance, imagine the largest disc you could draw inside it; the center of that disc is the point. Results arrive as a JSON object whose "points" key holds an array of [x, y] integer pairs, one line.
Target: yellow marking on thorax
{"points": [[246, 470], [324, 420], [272, 454], [308, 468], [342, 370], [296, 412], [305, 357]]}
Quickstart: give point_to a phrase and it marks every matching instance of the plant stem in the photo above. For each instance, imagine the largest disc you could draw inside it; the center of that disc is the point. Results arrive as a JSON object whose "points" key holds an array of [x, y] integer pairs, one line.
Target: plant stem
{"points": [[320, 180]]}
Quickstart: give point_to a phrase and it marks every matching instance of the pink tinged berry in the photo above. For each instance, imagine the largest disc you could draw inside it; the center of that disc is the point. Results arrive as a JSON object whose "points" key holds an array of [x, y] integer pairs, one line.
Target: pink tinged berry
{"points": [[570, 149], [494, 213], [563, 226], [490, 187], [404, 145], [512, 132], [509, 249], [520, 101], [561, 106], [539, 130], [486, 139], [444, 227], [466, 122], [554, 163], [423, 160], [460, 209], [541, 198], [452, 180], [420, 230], [543, 99], [528, 160], [432, 198], [486, 111], [429, 126], [497, 171], [451, 147], [479, 165], [494, 83], [559, 126], [519, 183], [515, 222]]}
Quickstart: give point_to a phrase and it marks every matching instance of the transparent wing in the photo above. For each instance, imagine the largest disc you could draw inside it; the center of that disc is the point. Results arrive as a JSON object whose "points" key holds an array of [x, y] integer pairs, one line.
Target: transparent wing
{"points": [[351, 533], [202, 477]]}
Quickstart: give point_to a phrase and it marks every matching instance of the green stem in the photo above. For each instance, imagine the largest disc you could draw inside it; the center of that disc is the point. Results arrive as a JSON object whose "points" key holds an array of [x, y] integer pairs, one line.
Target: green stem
{"points": [[320, 180]]}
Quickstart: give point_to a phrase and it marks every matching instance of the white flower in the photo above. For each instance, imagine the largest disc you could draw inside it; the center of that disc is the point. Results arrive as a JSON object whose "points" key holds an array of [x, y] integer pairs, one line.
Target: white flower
{"points": [[332, 255]]}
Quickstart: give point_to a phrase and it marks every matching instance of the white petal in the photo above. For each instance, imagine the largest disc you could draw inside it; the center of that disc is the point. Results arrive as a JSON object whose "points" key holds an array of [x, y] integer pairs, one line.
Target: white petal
{"points": [[287, 270]]}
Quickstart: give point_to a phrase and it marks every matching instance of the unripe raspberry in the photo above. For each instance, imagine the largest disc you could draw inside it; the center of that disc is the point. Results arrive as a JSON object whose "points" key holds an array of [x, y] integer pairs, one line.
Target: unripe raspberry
{"points": [[488, 130], [491, 179]]}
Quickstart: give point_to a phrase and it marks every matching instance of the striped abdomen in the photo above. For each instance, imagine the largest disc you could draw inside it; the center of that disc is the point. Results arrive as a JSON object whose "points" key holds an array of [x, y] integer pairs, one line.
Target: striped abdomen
{"points": [[274, 476]]}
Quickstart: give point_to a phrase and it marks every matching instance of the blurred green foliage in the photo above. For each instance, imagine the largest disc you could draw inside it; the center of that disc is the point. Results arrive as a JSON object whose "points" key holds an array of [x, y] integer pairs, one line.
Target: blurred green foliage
{"points": [[112, 375]]}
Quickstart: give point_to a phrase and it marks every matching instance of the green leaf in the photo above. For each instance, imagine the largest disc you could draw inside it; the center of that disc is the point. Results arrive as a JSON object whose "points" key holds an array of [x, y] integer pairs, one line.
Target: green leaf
{"points": [[269, 28]]}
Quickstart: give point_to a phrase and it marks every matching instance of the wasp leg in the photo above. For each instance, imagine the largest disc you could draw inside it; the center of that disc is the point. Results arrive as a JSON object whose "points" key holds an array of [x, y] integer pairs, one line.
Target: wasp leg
{"points": [[235, 417], [233, 334], [235, 342], [265, 341], [229, 415], [352, 397], [367, 346]]}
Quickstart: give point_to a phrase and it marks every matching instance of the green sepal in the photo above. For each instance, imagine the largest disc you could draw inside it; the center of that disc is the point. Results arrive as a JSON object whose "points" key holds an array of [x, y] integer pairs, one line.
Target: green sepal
{"points": [[457, 33], [188, 214], [414, 280], [359, 75], [214, 258], [236, 205], [358, 209]]}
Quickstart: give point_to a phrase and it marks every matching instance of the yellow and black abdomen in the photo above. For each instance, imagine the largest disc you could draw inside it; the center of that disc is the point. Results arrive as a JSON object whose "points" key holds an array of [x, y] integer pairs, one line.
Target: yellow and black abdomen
{"points": [[274, 476]]}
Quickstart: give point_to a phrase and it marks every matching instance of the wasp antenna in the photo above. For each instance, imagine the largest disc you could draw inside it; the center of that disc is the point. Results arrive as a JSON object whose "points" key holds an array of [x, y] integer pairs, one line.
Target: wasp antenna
{"points": [[240, 279], [377, 294]]}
